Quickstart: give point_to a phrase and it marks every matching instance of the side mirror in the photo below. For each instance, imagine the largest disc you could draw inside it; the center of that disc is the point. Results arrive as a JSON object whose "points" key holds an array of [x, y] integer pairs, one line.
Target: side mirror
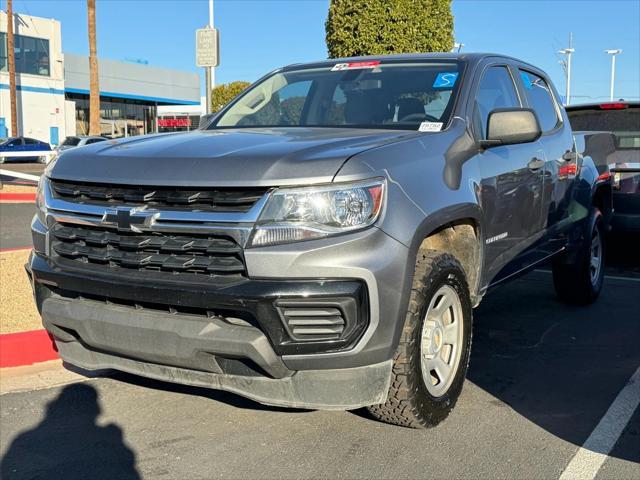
{"points": [[509, 126]]}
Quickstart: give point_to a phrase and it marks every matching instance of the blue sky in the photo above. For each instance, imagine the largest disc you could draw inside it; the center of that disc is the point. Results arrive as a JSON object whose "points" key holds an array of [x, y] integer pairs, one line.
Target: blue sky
{"points": [[259, 35]]}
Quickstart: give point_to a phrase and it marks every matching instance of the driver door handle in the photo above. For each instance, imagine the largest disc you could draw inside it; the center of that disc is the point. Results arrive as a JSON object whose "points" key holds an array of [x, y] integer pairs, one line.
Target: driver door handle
{"points": [[535, 164]]}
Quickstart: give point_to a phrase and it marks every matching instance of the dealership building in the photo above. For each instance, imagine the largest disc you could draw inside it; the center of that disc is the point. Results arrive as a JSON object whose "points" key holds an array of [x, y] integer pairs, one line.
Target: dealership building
{"points": [[53, 88]]}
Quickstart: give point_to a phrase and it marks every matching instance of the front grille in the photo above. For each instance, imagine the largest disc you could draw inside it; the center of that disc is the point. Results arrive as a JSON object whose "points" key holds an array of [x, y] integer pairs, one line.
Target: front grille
{"points": [[162, 198], [202, 254]]}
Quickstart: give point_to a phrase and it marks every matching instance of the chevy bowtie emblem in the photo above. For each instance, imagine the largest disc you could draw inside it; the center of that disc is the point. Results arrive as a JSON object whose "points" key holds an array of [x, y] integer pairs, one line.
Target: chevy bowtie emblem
{"points": [[125, 219]]}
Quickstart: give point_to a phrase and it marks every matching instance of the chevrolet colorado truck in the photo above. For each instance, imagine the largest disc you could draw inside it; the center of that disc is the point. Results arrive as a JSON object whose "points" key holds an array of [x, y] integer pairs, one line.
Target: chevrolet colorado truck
{"points": [[322, 241]]}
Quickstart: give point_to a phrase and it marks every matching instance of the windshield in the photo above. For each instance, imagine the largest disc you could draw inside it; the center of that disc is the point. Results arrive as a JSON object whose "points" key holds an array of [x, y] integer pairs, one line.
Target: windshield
{"points": [[371, 94], [71, 142]]}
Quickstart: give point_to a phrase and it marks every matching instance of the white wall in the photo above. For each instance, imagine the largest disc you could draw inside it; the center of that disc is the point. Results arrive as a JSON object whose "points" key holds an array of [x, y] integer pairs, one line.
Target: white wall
{"points": [[40, 99]]}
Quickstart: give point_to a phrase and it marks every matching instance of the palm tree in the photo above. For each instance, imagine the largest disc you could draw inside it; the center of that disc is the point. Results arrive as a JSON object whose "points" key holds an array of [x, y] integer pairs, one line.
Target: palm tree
{"points": [[94, 87], [12, 70]]}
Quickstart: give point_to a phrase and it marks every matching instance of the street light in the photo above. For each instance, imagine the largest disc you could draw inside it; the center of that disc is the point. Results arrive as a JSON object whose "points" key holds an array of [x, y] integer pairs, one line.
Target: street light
{"points": [[568, 52], [613, 54]]}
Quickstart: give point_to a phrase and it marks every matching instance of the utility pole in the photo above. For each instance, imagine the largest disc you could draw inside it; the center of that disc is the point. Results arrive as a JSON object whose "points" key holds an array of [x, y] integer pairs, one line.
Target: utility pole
{"points": [[12, 70], [94, 87], [210, 80], [568, 52], [613, 54]]}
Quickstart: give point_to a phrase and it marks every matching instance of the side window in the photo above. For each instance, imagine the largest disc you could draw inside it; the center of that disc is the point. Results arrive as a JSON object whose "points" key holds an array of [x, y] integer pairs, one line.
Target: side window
{"points": [[540, 99], [15, 143], [30, 141], [496, 90], [94, 140]]}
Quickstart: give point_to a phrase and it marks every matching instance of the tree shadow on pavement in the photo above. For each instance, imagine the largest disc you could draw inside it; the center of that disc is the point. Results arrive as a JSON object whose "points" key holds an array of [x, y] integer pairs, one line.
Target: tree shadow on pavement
{"points": [[68, 443]]}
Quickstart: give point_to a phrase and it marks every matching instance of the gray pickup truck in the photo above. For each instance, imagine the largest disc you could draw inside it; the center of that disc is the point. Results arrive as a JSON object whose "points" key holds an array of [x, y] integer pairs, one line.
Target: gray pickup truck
{"points": [[322, 241]]}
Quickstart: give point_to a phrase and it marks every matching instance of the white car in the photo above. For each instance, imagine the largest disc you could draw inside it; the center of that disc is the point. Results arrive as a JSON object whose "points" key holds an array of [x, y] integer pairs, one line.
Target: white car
{"points": [[79, 141]]}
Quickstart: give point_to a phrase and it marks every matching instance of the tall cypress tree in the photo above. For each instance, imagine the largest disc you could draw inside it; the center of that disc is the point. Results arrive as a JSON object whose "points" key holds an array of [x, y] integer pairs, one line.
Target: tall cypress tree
{"points": [[375, 27]]}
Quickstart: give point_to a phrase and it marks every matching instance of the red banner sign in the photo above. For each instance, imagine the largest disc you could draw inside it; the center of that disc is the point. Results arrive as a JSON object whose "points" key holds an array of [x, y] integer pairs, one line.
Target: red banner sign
{"points": [[174, 122]]}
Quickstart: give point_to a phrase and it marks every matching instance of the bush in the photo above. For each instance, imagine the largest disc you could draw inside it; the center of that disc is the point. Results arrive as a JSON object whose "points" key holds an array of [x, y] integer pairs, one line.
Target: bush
{"points": [[376, 27], [224, 93]]}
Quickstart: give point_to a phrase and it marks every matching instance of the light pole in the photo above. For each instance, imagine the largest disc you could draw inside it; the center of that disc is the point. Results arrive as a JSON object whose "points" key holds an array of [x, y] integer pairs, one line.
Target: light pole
{"points": [[613, 54], [568, 52], [209, 71]]}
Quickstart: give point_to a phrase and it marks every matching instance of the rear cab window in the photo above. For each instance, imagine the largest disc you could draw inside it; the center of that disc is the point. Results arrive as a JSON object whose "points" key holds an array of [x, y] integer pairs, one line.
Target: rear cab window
{"points": [[540, 99], [622, 119]]}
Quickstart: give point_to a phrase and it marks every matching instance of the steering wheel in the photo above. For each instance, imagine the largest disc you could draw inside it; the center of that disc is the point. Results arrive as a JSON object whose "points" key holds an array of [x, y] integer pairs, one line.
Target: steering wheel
{"points": [[414, 117]]}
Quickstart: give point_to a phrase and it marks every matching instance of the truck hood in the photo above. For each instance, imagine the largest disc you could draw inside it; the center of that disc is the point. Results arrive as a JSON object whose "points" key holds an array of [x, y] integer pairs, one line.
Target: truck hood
{"points": [[235, 157]]}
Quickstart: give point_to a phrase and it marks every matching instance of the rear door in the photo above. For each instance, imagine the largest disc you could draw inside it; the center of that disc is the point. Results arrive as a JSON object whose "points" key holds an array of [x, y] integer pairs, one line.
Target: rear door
{"points": [[510, 193], [560, 167]]}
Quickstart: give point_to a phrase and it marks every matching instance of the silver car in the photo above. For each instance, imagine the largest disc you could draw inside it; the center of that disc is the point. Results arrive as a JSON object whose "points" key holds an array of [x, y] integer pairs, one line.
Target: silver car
{"points": [[75, 141]]}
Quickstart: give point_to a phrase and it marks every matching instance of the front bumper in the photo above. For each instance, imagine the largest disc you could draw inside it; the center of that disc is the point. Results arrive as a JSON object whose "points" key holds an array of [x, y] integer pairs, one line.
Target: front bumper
{"points": [[98, 338], [101, 322]]}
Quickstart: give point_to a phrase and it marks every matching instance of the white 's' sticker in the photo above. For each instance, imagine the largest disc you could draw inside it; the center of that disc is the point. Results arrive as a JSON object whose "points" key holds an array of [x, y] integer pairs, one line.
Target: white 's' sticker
{"points": [[430, 127]]}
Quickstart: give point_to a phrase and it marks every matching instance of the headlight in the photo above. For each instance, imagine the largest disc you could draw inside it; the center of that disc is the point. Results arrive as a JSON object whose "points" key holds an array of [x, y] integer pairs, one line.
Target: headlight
{"points": [[305, 213], [41, 206]]}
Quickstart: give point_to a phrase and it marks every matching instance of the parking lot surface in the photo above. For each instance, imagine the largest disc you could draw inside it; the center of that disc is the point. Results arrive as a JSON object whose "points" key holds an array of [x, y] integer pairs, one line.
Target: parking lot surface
{"points": [[542, 376]]}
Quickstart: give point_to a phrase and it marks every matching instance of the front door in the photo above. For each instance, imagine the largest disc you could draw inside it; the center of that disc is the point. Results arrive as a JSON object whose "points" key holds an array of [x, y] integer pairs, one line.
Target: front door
{"points": [[511, 185]]}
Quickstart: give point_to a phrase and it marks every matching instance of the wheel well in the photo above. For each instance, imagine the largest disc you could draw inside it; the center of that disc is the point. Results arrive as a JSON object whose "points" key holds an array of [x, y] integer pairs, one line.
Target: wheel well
{"points": [[460, 239]]}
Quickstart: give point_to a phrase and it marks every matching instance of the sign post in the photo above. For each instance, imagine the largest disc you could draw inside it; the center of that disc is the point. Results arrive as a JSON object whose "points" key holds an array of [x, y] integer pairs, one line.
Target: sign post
{"points": [[207, 56]]}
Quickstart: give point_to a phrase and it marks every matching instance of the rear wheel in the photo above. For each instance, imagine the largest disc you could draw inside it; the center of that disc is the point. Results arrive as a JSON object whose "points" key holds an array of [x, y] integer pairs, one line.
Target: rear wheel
{"points": [[580, 282], [431, 362]]}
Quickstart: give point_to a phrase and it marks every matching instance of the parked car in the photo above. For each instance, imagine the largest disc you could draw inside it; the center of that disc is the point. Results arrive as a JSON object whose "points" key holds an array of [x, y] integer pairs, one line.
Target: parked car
{"points": [[79, 141], [21, 146], [322, 241], [623, 119]]}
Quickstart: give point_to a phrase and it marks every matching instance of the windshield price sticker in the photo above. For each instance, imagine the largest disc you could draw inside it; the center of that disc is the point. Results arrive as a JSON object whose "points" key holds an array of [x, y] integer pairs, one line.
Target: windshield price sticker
{"points": [[338, 67], [430, 127], [445, 80]]}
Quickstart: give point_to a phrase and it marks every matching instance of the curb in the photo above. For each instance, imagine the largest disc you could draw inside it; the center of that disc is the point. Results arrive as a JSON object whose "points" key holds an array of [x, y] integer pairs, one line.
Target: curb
{"points": [[23, 197], [26, 348], [14, 249]]}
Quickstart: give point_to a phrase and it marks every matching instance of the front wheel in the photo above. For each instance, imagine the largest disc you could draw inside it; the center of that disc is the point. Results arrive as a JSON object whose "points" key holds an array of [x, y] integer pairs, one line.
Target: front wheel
{"points": [[580, 282], [431, 362]]}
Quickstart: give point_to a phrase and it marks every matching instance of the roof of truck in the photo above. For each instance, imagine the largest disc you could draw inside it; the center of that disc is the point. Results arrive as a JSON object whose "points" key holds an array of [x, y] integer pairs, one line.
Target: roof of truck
{"points": [[468, 57]]}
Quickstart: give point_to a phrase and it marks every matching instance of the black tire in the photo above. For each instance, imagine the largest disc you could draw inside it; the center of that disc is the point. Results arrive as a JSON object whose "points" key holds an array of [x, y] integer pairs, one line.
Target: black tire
{"points": [[409, 403], [573, 281]]}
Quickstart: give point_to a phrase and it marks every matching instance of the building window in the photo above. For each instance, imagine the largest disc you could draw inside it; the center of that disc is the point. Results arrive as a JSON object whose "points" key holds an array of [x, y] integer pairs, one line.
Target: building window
{"points": [[31, 54]]}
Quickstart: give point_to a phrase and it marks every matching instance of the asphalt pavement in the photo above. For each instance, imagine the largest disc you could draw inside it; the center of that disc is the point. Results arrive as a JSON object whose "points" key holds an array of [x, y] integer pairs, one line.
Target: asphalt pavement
{"points": [[542, 375]]}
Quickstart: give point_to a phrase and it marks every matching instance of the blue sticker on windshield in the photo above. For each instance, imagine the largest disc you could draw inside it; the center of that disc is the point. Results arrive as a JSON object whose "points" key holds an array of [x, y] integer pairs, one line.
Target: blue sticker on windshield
{"points": [[445, 80], [526, 80]]}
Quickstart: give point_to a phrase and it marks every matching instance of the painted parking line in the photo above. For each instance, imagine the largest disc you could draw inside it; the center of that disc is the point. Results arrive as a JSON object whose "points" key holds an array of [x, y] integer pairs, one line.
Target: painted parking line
{"points": [[589, 458], [17, 197], [23, 176]]}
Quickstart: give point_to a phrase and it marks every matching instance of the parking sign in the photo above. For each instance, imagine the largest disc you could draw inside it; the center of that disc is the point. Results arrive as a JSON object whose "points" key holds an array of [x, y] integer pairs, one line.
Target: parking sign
{"points": [[207, 47]]}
